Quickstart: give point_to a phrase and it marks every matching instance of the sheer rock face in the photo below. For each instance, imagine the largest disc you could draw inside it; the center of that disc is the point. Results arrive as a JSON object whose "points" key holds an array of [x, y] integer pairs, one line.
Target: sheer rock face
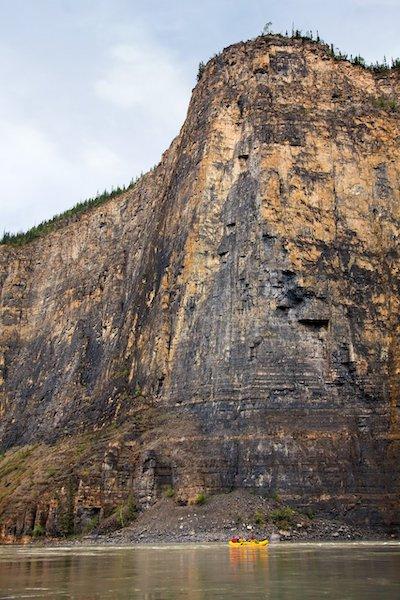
{"points": [[231, 321]]}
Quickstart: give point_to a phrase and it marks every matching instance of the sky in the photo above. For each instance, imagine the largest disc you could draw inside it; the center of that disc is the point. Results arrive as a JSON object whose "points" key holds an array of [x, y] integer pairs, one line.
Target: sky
{"points": [[92, 92]]}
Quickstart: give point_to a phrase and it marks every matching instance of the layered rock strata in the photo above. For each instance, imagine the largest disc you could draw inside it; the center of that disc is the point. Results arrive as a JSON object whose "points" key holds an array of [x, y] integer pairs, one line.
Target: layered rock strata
{"points": [[232, 321]]}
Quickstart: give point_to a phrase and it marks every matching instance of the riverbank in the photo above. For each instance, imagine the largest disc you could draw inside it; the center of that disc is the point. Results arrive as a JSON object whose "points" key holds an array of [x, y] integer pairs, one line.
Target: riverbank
{"points": [[223, 516]]}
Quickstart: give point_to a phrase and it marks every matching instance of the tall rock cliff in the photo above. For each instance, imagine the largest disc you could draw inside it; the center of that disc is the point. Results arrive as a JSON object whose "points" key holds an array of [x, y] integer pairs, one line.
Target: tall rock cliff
{"points": [[232, 321]]}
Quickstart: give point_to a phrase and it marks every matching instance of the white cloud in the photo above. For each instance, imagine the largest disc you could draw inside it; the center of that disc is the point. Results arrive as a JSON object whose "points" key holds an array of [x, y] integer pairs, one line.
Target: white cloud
{"points": [[91, 94], [28, 158], [25, 140], [98, 157], [39, 178], [59, 145], [143, 76]]}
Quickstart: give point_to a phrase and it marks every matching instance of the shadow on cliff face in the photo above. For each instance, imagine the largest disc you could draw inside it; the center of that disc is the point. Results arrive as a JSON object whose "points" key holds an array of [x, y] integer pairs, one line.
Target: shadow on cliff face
{"points": [[232, 322]]}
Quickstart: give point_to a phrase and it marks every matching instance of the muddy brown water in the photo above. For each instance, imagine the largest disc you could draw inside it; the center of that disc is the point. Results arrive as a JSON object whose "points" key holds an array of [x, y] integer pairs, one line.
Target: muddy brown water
{"points": [[347, 571]]}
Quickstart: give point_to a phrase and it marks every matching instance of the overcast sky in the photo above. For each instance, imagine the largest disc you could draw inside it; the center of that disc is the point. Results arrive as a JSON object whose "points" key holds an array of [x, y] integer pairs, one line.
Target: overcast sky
{"points": [[93, 91]]}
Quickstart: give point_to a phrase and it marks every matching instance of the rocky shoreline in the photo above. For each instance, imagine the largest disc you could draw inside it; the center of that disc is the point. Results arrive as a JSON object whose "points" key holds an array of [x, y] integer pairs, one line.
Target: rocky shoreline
{"points": [[224, 516]]}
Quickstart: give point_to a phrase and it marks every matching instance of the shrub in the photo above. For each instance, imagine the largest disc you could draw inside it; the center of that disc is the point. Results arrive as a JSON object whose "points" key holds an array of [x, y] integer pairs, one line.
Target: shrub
{"points": [[138, 391], [38, 531], [93, 523], [275, 496], [310, 513], [67, 524], [283, 517], [380, 67], [122, 374], [169, 491], [200, 498], [201, 70], [386, 103], [259, 518], [267, 29], [118, 517], [359, 61], [126, 512]]}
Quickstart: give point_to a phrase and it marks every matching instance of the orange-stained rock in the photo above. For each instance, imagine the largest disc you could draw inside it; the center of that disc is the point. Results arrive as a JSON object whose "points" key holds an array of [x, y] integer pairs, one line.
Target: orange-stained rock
{"points": [[230, 321]]}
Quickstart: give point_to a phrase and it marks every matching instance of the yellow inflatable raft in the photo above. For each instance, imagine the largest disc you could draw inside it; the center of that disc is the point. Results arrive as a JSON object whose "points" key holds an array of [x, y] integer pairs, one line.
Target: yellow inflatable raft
{"points": [[249, 544]]}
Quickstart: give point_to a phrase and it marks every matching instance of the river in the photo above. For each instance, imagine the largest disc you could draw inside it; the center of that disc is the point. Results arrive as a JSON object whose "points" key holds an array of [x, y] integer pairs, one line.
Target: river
{"points": [[339, 571]]}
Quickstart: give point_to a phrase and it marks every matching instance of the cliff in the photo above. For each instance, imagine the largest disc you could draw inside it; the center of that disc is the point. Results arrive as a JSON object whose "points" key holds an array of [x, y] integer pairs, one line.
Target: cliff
{"points": [[232, 321]]}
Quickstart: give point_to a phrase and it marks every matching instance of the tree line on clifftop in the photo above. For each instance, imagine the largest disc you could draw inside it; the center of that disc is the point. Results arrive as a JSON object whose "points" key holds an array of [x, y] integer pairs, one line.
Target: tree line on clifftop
{"points": [[20, 238], [309, 36], [358, 60]]}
